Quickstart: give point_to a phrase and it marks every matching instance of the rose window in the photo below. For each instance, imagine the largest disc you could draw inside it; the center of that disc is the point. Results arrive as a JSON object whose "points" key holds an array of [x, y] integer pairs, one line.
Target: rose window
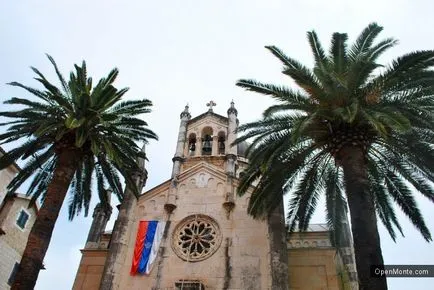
{"points": [[196, 238]]}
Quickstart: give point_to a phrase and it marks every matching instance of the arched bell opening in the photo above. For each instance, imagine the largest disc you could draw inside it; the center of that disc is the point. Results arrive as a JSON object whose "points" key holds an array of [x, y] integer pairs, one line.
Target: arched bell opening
{"points": [[207, 134], [192, 144], [221, 146]]}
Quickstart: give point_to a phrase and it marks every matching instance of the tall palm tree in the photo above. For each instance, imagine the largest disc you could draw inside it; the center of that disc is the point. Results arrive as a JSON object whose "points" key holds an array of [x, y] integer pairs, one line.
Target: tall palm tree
{"points": [[72, 135], [354, 130]]}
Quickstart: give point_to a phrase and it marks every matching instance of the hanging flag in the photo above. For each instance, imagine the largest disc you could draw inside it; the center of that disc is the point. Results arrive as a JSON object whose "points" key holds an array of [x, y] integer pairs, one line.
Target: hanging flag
{"points": [[148, 241], [155, 246]]}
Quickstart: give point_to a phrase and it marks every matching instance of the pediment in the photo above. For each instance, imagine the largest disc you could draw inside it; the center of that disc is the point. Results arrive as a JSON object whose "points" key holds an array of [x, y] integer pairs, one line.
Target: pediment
{"points": [[199, 176], [209, 116], [159, 190], [216, 121], [200, 171]]}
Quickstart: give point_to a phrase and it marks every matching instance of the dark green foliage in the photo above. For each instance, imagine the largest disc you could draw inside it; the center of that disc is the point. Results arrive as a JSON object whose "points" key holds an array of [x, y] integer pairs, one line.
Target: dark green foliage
{"points": [[347, 99], [87, 118]]}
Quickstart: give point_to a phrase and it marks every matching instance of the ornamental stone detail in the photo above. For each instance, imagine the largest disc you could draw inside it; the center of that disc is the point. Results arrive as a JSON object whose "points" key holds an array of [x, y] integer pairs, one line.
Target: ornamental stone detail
{"points": [[196, 238], [297, 243]]}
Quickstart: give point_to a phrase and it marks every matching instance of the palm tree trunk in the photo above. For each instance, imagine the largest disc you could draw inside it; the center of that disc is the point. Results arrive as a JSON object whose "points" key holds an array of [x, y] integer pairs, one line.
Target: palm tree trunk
{"points": [[40, 235], [278, 249], [363, 217]]}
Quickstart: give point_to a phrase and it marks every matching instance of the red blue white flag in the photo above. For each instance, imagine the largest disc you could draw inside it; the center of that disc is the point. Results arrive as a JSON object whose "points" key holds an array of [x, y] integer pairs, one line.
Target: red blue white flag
{"points": [[148, 241]]}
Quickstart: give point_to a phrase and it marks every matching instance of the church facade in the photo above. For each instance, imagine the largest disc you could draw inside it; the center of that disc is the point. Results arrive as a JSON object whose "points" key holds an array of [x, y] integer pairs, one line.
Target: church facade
{"points": [[205, 239]]}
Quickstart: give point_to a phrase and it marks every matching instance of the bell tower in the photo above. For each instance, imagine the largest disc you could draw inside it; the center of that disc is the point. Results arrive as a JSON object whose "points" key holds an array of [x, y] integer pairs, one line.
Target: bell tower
{"points": [[206, 138]]}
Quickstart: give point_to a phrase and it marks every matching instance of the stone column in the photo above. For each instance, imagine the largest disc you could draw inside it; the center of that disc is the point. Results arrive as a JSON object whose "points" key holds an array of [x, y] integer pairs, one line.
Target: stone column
{"points": [[214, 151], [119, 240], [177, 159], [170, 204], [233, 124], [231, 159], [346, 250], [231, 151], [101, 216], [198, 145]]}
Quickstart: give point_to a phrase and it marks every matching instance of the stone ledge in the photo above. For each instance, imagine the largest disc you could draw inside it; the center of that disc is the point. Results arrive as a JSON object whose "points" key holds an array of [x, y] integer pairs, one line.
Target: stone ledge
{"points": [[308, 243], [93, 250]]}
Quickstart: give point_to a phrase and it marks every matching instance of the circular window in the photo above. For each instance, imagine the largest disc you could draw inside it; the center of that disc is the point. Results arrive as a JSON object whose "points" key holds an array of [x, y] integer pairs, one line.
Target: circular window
{"points": [[196, 238]]}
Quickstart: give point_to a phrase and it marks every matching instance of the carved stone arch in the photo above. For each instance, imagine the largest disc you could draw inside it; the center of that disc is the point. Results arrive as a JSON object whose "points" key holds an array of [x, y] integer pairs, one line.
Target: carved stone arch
{"points": [[211, 183], [221, 142], [207, 139], [182, 189], [141, 210], [220, 189], [152, 205], [192, 144]]}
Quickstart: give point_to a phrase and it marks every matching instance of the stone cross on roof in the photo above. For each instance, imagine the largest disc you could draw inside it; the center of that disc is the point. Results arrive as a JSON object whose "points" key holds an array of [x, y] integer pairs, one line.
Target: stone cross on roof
{"points": [[210, 105]]}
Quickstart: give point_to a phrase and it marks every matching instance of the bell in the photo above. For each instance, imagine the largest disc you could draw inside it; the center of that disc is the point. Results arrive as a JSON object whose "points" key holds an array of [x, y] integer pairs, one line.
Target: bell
{"points": [[192, 147], [221, 146], [207, 147]]}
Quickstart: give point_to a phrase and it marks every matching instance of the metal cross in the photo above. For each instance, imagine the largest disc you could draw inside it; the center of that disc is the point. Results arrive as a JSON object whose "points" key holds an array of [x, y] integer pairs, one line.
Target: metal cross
{"points": [[210, 105]]}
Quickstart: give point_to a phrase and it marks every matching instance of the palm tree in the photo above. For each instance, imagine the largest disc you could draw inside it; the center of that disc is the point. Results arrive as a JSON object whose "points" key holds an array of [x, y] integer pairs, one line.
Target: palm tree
{"points": [[72, 135], [356, 131]]}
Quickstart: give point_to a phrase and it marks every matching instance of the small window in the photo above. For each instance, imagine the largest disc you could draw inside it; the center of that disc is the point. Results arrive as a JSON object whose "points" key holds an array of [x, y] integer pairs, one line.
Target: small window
{"points": [[22, 219], [13, 274]]}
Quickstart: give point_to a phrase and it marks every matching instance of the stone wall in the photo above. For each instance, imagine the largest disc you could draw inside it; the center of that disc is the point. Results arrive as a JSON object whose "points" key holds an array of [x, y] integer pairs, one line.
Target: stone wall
{"points": [[241, 259], [313, 269], [15, 236], [9, 257], [6, 175], [313, 263], [89, 272], [91, 266], [13, 242]]}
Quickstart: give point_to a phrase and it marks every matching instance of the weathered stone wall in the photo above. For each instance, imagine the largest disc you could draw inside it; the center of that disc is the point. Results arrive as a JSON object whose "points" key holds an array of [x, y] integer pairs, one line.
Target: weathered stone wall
{"points": [[240, 262], [13, 242], [313, 269], [15, 236], [6, 175], [313, 263], [9, 257], [89, 272]]}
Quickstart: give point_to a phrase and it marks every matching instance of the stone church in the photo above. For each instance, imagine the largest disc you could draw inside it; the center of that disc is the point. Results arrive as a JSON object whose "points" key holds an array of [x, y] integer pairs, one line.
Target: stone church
{"points": [[208, 240]]}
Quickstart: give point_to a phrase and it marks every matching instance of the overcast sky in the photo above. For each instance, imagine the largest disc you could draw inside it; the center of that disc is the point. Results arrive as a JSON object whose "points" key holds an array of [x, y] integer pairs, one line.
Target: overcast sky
{"points": [[178, 52]]}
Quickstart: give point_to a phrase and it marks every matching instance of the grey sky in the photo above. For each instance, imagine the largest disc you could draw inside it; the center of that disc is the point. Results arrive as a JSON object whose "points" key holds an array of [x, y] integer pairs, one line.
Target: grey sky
{"points": [[178, 52]]}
